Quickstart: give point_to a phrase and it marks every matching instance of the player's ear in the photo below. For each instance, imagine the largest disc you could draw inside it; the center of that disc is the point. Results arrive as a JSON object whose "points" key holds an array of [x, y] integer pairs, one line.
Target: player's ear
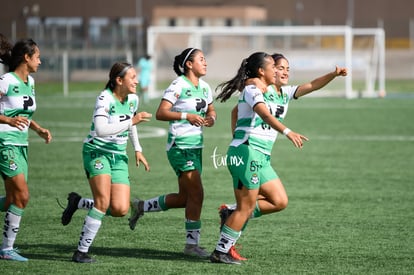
{"points": [[260, 72]]}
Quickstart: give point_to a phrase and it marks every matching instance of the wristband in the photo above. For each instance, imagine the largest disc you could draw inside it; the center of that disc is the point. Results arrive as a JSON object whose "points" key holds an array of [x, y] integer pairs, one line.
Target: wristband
{"points": [[286, 131], [183, 115]]}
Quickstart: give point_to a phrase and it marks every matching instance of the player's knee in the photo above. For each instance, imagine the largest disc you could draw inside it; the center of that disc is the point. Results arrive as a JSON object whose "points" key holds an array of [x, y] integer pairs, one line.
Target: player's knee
{"points": [[119, 211], [282, 204]]}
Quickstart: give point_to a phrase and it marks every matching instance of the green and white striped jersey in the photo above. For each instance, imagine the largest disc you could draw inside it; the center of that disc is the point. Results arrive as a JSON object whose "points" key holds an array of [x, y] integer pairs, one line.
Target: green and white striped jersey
{"points": [[17, 98], [250, 127], [185, 97], [111, 108]]}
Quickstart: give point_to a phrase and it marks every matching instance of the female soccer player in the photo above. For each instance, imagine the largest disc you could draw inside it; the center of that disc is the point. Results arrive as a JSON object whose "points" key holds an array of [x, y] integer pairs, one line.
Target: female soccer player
{"points": [[105, 158], [280, 93], [188, 106], [253, 138], [17, 105]]}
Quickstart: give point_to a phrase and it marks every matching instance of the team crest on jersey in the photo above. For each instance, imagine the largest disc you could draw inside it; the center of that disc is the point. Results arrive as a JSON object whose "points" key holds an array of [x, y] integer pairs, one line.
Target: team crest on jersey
{"points": [[205, 93], [285, 99], [98, 165], [13, 165], [131, 107], [33, 90], [254, 179]]}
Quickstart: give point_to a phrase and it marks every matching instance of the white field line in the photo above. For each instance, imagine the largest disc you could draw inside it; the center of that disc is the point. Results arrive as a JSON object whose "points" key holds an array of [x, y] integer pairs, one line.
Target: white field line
{"points": [[386, 138], [366, 138], [79, 136], [80, 130]]}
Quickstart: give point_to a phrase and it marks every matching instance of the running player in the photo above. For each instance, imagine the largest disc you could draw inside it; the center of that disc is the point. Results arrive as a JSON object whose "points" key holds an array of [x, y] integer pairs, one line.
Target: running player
{"points": [[105, 158], [280, 93], [17, 105], [187, 105], [253, 138]]}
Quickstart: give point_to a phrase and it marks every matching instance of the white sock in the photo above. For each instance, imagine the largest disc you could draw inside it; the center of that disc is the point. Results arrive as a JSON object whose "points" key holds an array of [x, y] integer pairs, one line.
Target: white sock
{"points": [[85, 203], [228, 237], [153, 205], [193, 230], [11, 226], [90, 228]]}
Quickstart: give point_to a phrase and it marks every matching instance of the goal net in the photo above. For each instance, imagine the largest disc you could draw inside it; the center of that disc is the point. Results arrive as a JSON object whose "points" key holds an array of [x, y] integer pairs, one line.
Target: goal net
{"points": [[311, 51]]}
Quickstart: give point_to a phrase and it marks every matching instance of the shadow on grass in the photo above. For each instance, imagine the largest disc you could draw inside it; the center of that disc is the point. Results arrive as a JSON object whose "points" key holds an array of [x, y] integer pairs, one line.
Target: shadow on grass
{"points": [[57, 252]]}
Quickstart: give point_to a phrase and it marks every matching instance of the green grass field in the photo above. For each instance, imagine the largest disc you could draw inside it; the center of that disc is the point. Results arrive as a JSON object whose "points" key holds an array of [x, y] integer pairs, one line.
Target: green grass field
{"points": [[350, 193]]}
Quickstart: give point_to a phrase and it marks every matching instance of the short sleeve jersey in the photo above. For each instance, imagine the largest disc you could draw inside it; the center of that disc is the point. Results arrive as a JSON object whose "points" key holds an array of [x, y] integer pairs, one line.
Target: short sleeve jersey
{"points": [[250, 127], [110, 107], [17, 98], [185, 97]]}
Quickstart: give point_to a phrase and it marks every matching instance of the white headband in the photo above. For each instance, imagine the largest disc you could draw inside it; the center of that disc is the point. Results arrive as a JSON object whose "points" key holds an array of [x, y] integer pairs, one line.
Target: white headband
{"points": [[185, 59], [122, 73]]}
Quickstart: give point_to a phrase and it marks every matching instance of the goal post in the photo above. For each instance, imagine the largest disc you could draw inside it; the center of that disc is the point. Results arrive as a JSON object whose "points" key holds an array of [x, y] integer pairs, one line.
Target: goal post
{"points": [[311, 50]]}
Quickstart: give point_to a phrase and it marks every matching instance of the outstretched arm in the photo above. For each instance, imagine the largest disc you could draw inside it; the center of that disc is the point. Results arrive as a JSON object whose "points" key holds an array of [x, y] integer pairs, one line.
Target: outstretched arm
{"points": [[320, 82]]}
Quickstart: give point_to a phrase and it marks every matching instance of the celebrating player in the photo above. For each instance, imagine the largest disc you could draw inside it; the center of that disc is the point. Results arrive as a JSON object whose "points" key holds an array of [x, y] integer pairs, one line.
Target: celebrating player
{"points": [[105, 158], [277, 96]]}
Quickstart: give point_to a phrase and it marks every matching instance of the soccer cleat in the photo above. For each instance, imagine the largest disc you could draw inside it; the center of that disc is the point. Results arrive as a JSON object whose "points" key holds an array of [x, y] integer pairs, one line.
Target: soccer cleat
{"points": [[235, 254], [137, 211], [73, 201], [82, 257], [224, 212], [195, 250], [224, 258], [12, 255]]}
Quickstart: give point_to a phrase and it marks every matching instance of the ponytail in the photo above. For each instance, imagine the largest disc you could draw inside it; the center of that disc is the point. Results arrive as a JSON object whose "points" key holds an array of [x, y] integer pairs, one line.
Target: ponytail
{"points": [[5, 50], [248, 69], [180, 60]]}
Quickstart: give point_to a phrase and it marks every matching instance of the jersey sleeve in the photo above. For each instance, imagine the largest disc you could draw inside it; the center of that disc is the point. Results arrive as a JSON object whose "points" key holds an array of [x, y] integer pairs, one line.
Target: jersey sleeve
{"points": [[103, 127], [102, 105], [172, 93], [133, 137], [253, 95], [290, 91], [3, 86]]}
